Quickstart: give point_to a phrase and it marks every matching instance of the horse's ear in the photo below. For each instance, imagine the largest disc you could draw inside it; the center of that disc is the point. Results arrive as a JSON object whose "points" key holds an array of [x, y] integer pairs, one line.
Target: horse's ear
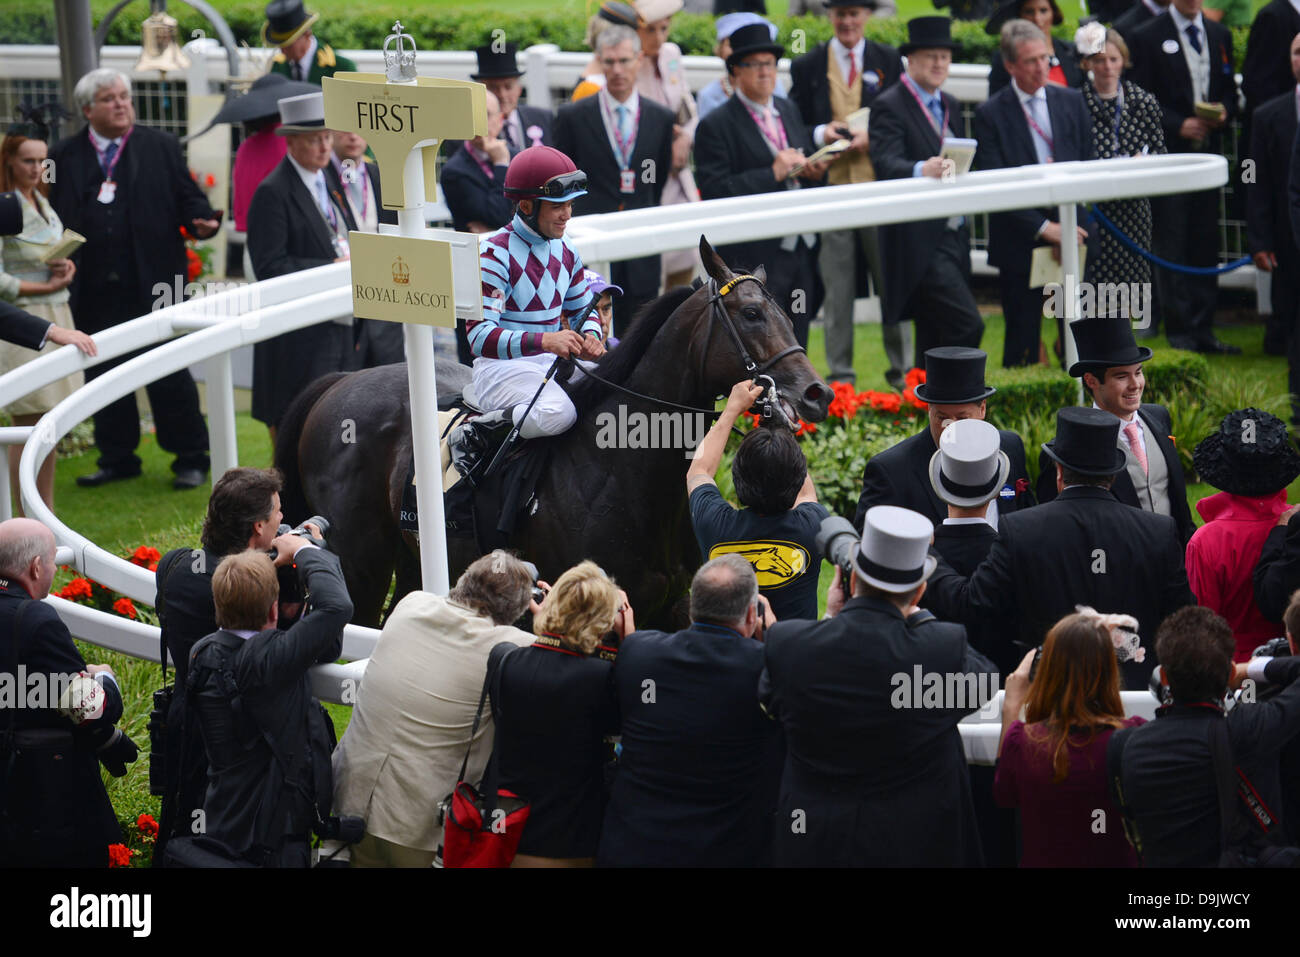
{"points": [[760, 274], [713, 263]]}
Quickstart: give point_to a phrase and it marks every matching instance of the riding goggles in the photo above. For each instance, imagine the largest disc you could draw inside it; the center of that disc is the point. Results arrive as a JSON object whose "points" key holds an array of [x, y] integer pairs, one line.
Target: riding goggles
{"points": [[562, 188]]}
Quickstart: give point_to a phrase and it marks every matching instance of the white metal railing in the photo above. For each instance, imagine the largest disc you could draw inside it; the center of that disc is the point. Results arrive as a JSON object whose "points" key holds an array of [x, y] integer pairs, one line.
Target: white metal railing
{"points": [[213, 326]]}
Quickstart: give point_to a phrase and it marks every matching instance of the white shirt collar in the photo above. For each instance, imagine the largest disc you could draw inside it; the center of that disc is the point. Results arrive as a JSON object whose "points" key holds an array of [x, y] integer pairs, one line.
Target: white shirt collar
{"points": [[967, 521], [101, 142], [842, 52], [244, 633], [308, 178], [1026, 97], [1132, 417], [753, 105], [1182, 23], [632, 102]]}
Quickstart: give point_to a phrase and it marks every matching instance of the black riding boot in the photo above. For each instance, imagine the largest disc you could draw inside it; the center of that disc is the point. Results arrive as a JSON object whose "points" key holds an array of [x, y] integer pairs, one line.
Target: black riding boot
{"points": [[473, 443]]}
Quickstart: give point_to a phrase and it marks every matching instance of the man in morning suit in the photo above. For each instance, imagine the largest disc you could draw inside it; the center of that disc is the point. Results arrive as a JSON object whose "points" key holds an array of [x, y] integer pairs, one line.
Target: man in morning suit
{"points": [[624, 142], [1182, 59], [54, 811], [126, 188], [1138, 15], [926, 263], [828, 83], [754, 143], [301, 57], [1268, 221], [1265, 73], [954, 389], [1026, 122], [1084, 547], [1110, 363], [874, 777], [294, 223], [522, 126], [700, 762]]}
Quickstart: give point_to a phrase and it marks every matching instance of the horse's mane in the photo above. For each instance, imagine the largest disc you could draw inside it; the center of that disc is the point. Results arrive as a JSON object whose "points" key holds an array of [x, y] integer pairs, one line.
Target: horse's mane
{"points": [[617, 364]]}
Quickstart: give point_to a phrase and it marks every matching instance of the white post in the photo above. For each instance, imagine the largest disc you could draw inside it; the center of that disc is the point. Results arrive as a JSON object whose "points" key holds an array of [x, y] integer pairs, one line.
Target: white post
{"points": [[6, 509], [424, 405], [220, 390], [1070, 269], [536, 60]]}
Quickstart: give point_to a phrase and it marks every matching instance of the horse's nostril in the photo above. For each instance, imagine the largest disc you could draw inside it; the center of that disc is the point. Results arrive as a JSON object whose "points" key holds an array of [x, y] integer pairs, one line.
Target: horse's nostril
{"points": [[818, 393]]}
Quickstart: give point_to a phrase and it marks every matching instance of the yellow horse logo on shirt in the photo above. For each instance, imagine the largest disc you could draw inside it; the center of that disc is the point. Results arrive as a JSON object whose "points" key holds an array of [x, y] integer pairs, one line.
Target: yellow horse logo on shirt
{"points": [[775, 563]]}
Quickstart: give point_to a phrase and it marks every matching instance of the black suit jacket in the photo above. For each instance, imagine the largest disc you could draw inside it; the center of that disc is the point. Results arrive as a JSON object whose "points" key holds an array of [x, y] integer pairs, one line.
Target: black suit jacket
{"points": [[1083, 548], [286, 231], [902, 134], [733, 159], [1157, 418], [1167, 770], [471, 196], [1266, 71], [22, 328], [900, 475], [1268, 220], [580, 133], [57, 801], [160, 198], [1133, 19], [1277, 573], [386, 216], [880, 781], [1166, 77], [1065, 55], [810, 90], [697, 775], [1005, 140], [246, 773], [963, 547]]}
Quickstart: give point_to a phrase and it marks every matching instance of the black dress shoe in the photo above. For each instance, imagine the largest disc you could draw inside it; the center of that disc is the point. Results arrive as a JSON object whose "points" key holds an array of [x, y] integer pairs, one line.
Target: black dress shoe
{"points": [[1213, 346], [103, 477], [189, 478]]}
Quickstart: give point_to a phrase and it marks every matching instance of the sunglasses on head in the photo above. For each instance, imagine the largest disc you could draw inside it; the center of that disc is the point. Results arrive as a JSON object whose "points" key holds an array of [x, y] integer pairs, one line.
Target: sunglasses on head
{"points": [[560, 186]]}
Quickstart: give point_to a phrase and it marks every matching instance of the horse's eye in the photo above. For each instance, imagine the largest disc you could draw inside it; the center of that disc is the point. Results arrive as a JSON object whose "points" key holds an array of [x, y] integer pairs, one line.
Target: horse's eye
{"points": [[752, 314]]}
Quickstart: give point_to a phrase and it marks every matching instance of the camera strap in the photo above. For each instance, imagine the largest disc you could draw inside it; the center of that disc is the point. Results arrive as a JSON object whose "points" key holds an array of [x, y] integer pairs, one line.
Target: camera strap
{"points": [[160, 603], [1114, 765]]}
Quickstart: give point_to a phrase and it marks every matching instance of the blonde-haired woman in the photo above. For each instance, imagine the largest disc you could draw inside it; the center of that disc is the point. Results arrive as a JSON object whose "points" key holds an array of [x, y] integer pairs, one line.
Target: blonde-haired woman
{"points": [[553, 704]]}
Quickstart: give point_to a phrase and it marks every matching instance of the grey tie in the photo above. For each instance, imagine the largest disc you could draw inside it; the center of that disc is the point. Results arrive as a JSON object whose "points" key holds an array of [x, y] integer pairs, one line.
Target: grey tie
{"points": [[296, 70], [1038, 108]]}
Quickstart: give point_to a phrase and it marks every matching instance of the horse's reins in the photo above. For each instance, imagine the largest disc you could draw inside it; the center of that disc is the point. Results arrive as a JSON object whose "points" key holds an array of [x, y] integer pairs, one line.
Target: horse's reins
{"points": [[754, 370]]}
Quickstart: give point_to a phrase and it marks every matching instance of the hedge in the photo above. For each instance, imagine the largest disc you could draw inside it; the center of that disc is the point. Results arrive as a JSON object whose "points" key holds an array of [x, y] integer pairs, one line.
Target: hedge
{"points": [[32, 21]]}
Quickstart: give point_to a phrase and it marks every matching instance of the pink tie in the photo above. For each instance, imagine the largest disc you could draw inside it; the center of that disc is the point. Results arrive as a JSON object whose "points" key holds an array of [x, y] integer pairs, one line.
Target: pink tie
{"points": [[853, 70], [1134, 433]]}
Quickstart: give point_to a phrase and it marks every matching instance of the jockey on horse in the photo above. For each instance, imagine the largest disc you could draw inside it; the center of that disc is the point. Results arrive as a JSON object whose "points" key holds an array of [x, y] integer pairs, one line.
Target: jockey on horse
{"points": [[532, 279]]}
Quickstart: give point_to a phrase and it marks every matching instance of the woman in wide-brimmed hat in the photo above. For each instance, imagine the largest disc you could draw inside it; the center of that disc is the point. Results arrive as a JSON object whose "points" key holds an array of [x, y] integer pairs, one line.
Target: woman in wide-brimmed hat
{"points": [[1251, 460], [1043, 14]]}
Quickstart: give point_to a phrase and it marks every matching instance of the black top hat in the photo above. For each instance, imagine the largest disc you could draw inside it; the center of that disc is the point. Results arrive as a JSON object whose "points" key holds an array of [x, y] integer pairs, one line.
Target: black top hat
{"points": [[753, 38], [1105, 341], [954, 375], [1086, 441], [830, 4], [928, 33], [496, 64], [285, 22], [1011, 11], [1249, 455]]}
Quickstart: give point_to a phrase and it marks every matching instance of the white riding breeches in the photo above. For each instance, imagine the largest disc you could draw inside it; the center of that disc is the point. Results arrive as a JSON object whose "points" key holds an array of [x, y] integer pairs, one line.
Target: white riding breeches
{"points": [[512, 383]]}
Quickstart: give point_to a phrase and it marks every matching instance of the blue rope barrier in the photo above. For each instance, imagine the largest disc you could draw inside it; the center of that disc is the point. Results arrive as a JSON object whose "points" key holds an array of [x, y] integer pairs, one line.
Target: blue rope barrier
{"points": [[1164, 263]]}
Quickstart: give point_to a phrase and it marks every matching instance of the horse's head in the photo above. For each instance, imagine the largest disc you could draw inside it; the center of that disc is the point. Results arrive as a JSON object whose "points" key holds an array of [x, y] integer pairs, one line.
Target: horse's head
{"points": [[746, 323]]}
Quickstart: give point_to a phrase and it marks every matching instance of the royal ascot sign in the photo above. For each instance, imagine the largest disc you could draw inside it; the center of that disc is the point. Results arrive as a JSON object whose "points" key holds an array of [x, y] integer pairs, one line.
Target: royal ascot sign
{"points": [[402, 280]]}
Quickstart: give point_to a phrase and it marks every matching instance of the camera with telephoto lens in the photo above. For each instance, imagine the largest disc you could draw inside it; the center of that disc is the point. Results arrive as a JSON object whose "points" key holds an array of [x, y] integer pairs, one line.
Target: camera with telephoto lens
{"points": [[158, 758], [115, 750], [348, 828], [837, 540], [301, 530]]}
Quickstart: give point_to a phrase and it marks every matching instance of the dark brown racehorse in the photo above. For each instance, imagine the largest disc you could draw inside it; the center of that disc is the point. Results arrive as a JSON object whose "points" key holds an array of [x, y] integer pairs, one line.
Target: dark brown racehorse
{"points": [[345, 449]]}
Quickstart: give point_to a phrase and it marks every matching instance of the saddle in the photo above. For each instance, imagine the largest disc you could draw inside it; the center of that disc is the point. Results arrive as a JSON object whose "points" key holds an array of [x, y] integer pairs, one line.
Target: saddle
{"points": [[486, 510]]}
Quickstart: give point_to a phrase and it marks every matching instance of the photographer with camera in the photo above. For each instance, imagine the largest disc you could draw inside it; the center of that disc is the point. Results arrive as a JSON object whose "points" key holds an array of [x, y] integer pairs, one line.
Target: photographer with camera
{"points": [[57, 726], [1052, 763], [411, 723], [875, 774], [1171, 776], [243, 512], [268, 741]]}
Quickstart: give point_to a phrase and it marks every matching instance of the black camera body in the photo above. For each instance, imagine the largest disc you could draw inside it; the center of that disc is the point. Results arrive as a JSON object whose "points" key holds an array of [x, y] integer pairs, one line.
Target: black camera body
{"points": [[349, 828], [838, 540]]}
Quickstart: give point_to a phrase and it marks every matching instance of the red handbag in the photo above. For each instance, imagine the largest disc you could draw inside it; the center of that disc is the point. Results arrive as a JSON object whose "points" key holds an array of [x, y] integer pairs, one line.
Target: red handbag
{"points": [[481, 826]]}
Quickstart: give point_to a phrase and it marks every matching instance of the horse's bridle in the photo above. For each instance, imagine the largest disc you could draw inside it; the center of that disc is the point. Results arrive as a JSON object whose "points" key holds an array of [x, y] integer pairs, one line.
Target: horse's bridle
{"points": [[752, 368]]}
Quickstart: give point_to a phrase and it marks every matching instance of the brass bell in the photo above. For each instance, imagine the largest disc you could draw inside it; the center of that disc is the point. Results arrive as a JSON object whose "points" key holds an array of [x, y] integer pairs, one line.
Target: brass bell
{"points": [[158, 49]]}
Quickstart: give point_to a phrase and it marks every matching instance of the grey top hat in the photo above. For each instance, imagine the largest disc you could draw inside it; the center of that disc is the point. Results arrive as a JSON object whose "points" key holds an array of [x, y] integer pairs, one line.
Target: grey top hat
{"points": [[970, 467], [894, 554], [302, 114]]}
